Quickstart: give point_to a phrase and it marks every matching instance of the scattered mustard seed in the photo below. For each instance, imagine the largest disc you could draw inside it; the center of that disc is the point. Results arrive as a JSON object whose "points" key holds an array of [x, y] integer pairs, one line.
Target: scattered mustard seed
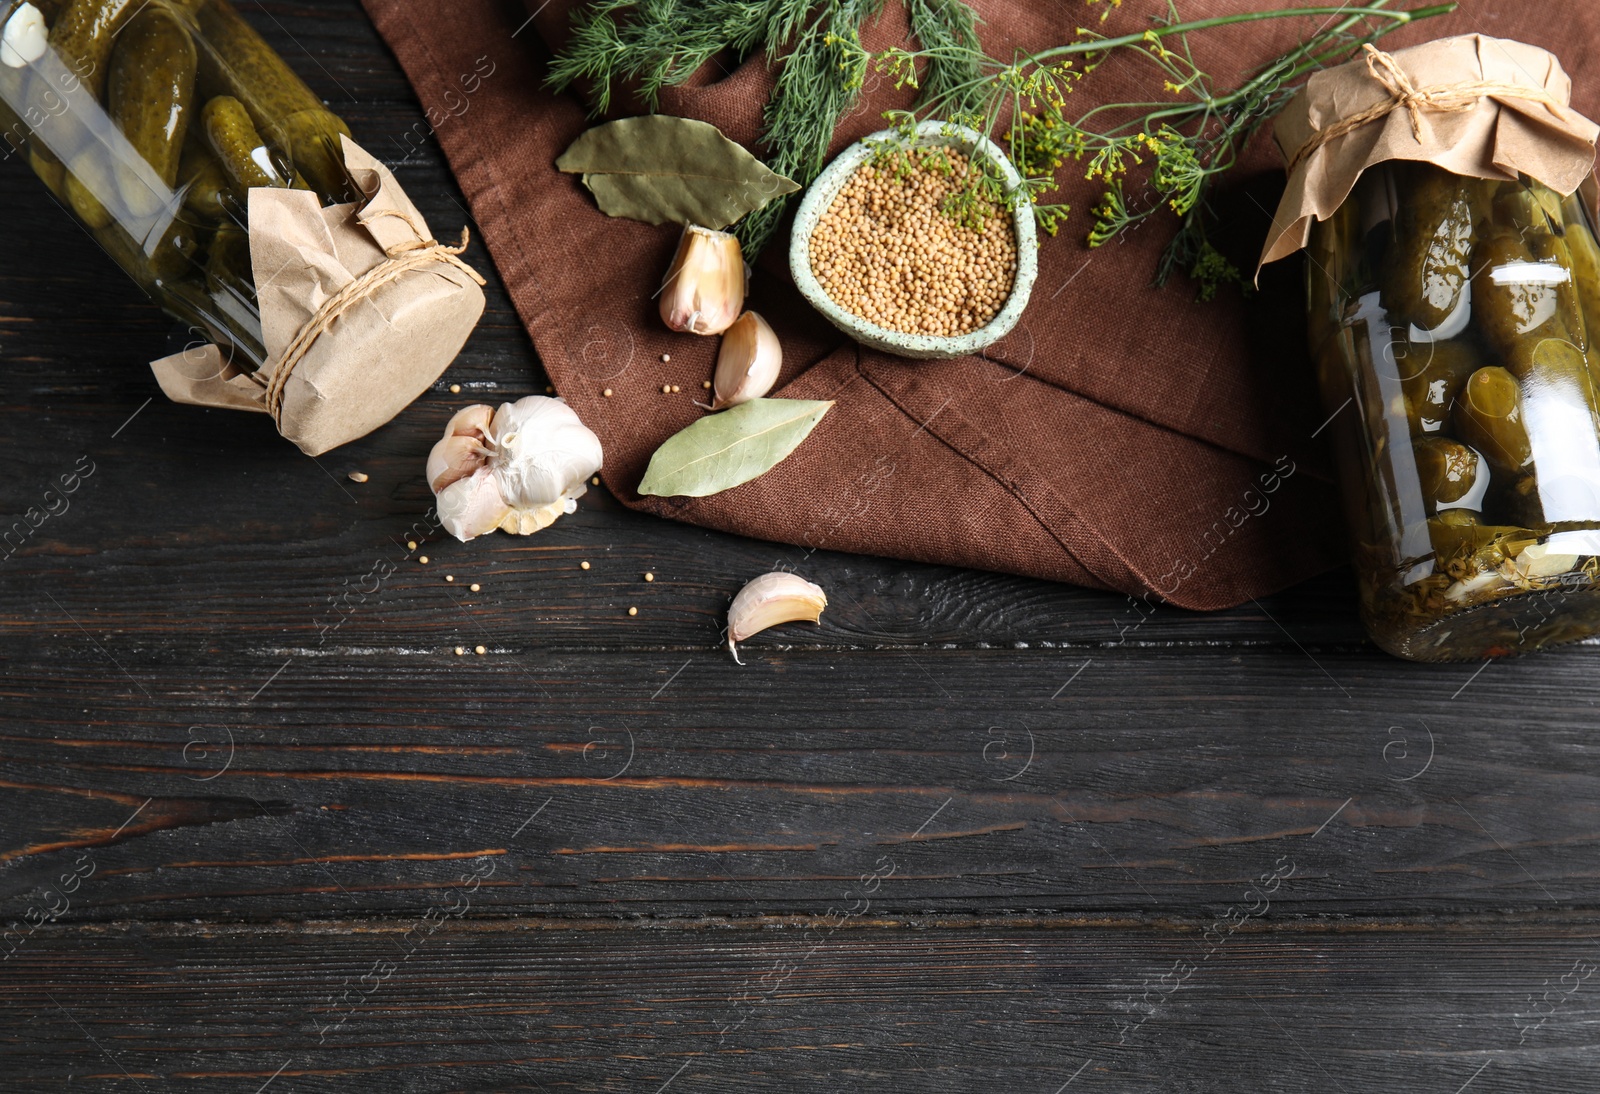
{"points": [[455, 389], [665, 357], [461, 651], [449, 577], [606, 393], [411, 545], [649, 577], [474, 586], [595, 481], [549, 389], [633, 611], [674, 389], [423, 559], [358, 476], [886, 251], [666, 389], [705, 384], [583, 565], [479, 650]]}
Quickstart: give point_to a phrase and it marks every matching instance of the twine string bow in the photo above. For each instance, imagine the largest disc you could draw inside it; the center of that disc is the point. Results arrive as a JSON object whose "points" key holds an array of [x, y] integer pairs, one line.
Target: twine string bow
{"points": [[1405, 95]]}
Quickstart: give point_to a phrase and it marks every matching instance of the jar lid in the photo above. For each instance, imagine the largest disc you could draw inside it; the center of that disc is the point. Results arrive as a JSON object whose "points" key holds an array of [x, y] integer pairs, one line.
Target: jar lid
{"points": [[1474, 105], [361, 310]]}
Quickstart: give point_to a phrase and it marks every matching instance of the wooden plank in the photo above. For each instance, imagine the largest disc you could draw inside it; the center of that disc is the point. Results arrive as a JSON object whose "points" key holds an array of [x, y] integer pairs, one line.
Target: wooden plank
{"points": [[803, 1005], [290, 781]]}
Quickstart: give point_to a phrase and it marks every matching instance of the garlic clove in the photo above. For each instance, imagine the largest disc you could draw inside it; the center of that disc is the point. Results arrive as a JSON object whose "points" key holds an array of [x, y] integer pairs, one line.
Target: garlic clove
{"points": [[747, 363], [453, 459], [472, 506], [471, 421], [778, 597], [703, 292], [25, 38]]}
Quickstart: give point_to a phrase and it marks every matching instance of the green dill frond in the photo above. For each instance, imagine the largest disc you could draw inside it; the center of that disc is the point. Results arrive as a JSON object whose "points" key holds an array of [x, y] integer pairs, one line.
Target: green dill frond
{"points": [[819, 82], [948, 32], [662, 43]]}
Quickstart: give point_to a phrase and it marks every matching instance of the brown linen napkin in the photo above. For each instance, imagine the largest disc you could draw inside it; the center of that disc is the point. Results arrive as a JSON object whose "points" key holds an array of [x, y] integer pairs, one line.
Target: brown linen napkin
{"points": [[1122, 437]]}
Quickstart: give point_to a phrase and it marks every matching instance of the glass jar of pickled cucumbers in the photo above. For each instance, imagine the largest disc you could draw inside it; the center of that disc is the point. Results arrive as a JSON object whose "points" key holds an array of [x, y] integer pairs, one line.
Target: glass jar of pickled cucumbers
{"points": [[1453, 323], [150, 120]]}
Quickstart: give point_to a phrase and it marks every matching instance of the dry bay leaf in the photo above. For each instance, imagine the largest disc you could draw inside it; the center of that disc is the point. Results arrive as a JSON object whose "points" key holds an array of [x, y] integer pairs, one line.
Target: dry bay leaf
{"points": [[667, 170], [721, 451]]}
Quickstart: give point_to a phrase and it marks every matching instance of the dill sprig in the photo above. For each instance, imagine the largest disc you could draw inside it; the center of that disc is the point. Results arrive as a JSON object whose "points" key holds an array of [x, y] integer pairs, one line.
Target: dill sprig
{"points": [[661, 43], [1190, 139]]}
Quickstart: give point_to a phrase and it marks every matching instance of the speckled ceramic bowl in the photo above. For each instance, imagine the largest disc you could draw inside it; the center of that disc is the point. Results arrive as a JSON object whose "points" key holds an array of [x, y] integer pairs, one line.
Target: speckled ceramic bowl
{"points": [[925, 346]]}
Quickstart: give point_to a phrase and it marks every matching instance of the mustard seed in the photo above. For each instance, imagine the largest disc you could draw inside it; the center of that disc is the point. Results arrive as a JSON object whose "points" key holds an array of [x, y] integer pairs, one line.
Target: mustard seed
{"points": [[583, 565], [887, 251], [474, 586]]}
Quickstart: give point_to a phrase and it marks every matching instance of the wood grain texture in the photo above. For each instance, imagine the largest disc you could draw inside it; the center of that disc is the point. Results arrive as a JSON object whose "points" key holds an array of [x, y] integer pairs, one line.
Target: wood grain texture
{"points": [[241, 763], [814, 1005], [676, 782]]}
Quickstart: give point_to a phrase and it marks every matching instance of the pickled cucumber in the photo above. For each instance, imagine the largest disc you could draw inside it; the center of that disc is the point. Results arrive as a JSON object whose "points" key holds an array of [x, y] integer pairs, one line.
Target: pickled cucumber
{"points": [[239, 64], [1489, 417], [1432, 375], [233, 139], [84, 34], [1428, 266], [207, 193], [1520, 299], [1448, 469], [228, 264], [151, 88]]}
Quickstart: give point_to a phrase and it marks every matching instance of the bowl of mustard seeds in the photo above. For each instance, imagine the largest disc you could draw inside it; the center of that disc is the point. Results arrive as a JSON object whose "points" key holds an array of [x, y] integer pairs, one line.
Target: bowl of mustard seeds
{"points": [[894, 245]]}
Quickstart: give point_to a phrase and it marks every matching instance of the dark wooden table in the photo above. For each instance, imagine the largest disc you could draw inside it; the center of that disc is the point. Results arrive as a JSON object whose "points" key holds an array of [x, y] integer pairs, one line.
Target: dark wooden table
{"points": [[263, 828]]}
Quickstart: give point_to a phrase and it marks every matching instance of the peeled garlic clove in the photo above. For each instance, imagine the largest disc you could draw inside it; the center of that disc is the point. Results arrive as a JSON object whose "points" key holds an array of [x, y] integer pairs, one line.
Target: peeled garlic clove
{"points": [[778, 597], [748, 362], [703, 292], [25, 38], [472, 506]]}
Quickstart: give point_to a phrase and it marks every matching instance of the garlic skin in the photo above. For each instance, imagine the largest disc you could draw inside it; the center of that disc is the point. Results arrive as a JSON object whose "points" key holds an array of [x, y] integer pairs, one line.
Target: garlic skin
{"points": [[747, 363], [703, 292], [778, 597], [517, 468]]}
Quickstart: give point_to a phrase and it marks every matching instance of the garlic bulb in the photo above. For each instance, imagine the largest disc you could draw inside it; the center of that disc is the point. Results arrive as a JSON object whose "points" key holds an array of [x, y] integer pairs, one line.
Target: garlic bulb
{"points": [[703, 291], [778, 597], [517, 468], [747, 363]]}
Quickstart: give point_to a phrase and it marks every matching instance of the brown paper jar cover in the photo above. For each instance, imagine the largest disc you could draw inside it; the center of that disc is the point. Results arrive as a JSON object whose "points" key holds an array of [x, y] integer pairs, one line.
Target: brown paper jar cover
{"points": [[370, 360], [1523, 123], [1122, 437]]}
